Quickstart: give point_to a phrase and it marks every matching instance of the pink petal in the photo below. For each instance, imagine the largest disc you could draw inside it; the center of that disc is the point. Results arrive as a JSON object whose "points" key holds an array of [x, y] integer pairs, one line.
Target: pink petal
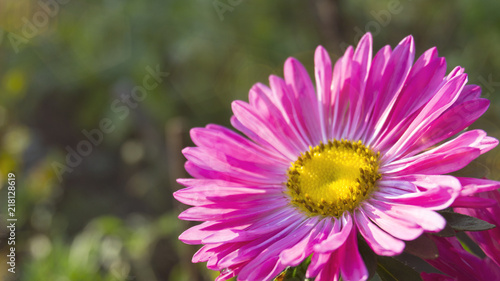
{"points": [[443, 99], [220, 191], [473, 202], [267, 226], [261, 98], [398, 228], [472, 185], [297, 253], [436, 163], [261, 131], [470, 92], [330, 271], [436, 192], [373, 86], [450, 123], [318, 264], [213, 213], [352, 266], [323, 73], [394, 76], [267, 264], [382, 243], [305, 101], [340, 92], [217, 160], [218, 137], [337, 235], [427, 219], [361, 63]]}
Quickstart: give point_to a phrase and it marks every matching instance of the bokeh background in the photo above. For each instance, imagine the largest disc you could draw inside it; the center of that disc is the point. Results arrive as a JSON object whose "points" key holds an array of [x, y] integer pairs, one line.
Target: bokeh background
{"points": [[101, 208]]}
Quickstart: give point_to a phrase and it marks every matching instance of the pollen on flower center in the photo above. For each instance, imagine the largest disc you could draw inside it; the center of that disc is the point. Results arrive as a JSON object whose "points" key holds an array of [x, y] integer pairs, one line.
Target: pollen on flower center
{"points": [[332, 178]]}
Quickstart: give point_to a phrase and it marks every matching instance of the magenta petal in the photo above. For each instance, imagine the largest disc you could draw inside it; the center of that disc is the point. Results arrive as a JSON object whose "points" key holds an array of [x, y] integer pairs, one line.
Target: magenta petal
{"points": [[319, 262], [361, 63], [323, 73], [267, 264], [450, 123], [267, 226], [394, 76], [253, 122], [382, 243], [472, 185], [422, 83], [340, 92], [473, 202], [296, 254], [372, 89], [218, 137], [437, 192], [212, 213], [195, 234], [396, 227], [305, 101], [449, 157], [337, 235], [436, 163], [352, 266], [427, 219], [331, 268], [469, 92], [443, 99], [261, 98]]}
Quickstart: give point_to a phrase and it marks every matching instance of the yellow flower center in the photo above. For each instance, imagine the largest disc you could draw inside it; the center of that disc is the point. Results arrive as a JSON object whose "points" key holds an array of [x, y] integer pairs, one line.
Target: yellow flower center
{"points": [[332, 178]]}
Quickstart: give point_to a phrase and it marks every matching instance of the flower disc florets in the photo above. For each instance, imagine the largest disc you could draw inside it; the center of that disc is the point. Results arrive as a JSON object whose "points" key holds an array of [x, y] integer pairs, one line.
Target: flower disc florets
{"points": [[332, 178]]}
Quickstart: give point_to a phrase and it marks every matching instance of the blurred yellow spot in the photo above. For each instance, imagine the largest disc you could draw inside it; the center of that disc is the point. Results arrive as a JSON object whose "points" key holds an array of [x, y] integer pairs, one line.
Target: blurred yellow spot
{"points": [[14, 82], [40, 246], [16, 140]]}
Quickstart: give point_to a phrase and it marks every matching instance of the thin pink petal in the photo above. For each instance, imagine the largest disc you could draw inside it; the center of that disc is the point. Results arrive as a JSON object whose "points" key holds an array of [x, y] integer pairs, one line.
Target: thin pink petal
{"points": [[396, 227], [352, 266], [323, 73], [382, 243]]}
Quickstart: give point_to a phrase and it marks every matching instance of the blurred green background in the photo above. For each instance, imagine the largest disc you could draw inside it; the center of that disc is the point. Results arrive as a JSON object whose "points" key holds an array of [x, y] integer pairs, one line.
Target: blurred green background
{"points": [[101, 208]]}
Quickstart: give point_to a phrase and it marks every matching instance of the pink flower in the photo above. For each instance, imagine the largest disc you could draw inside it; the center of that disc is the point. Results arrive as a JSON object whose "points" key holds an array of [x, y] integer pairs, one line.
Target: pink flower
{"points": [[488, 240], [358, 153], [460, 265]]}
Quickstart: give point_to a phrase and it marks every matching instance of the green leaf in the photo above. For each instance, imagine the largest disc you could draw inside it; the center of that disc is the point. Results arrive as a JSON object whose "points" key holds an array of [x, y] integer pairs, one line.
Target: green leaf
{"points": [[465, 223], [447, 231], [422, 247], [390, 269]]}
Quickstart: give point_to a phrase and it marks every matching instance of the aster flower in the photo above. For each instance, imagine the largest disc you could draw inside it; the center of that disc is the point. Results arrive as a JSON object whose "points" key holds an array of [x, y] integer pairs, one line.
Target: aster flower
{"points": [[459, 265], [454, 260], [363, 152], [488, 240]]}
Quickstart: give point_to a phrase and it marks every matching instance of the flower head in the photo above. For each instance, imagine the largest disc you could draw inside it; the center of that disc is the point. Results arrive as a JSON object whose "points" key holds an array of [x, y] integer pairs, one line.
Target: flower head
{"points": [[363, 152]]}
